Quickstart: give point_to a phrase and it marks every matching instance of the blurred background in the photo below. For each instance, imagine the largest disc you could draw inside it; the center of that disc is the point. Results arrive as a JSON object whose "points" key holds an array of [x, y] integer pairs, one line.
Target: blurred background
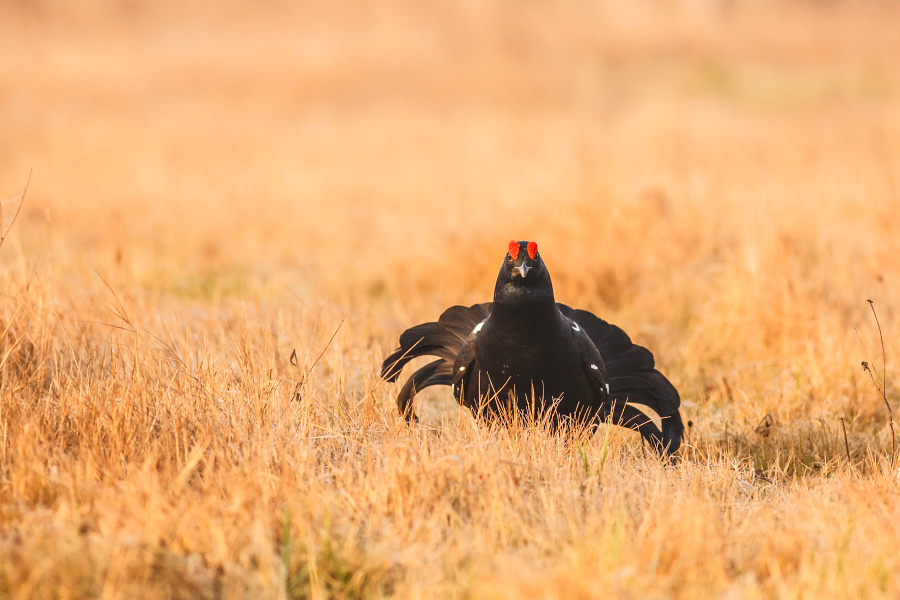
{"points": [[218, 187], [700, 171]]}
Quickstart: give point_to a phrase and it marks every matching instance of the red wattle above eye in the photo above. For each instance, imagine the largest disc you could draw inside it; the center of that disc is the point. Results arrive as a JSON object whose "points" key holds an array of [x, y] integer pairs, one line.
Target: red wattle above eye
{"points": [[514, 249], [532, 250]]}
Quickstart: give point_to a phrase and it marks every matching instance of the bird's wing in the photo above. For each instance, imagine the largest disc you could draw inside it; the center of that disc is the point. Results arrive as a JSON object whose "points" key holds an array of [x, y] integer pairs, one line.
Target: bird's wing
{"points": [[591, 360], [462, 369], [444, 339], [633, 379]]}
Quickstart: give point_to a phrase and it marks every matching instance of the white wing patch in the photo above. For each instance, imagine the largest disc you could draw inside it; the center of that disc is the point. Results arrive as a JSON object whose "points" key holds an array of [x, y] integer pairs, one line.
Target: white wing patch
{"points": [[607, 388], [595, 367], [461, 369], [478, 327], [576, 327]]}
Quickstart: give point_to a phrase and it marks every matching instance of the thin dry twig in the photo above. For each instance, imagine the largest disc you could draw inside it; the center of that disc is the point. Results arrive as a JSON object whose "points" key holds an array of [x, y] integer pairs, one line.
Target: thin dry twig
{"points": [[298, 387], [295, 363], [846, 443], [882, 388], [4, 231]]}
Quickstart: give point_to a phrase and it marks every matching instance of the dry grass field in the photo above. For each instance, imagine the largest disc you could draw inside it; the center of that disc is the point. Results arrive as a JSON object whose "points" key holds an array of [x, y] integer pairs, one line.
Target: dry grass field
{"points": [[218, 185]]}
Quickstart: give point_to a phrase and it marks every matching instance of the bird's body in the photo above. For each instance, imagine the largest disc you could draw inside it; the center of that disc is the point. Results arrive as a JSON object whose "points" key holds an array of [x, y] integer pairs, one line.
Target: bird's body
{"points": [[526, 349], [539, 362]]}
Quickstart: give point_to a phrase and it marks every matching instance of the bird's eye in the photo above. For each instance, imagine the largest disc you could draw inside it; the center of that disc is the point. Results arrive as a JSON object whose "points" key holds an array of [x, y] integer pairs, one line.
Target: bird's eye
{"points": [[513, 249], [532, 250]]}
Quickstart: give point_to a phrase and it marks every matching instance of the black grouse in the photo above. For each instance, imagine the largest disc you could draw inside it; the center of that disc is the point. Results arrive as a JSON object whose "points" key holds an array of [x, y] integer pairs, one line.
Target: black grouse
{"points": [[526, 348]]}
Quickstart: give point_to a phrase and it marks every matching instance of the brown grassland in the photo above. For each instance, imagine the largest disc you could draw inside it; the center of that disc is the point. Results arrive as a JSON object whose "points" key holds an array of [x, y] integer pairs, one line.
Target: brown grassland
{"points": [[217, 185]]}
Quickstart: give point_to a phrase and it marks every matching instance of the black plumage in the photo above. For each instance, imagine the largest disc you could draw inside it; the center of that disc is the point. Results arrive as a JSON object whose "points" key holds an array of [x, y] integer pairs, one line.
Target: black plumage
{"points": [[526, 348]]}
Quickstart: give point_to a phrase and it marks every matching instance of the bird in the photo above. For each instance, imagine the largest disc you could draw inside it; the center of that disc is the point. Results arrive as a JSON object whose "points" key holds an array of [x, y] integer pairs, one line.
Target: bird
{"points": [[525, 350]]}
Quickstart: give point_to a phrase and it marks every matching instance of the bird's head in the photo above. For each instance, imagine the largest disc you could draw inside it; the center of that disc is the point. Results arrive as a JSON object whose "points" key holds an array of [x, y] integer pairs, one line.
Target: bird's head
{"points": [[523, 276]]}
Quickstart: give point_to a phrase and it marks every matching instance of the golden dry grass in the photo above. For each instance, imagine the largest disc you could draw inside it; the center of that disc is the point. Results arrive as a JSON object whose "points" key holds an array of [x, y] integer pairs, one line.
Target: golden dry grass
{"points": [[216, 185]]}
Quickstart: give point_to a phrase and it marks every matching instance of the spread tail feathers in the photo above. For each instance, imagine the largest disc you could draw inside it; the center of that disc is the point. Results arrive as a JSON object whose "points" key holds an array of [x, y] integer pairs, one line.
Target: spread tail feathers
{"points": [[633, 379], [630, 369], [443, 339], [666, 441]]}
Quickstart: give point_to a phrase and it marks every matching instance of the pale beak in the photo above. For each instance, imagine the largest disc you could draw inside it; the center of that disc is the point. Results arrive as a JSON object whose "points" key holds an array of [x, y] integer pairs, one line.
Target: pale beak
{"points": [[521, 270]]}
